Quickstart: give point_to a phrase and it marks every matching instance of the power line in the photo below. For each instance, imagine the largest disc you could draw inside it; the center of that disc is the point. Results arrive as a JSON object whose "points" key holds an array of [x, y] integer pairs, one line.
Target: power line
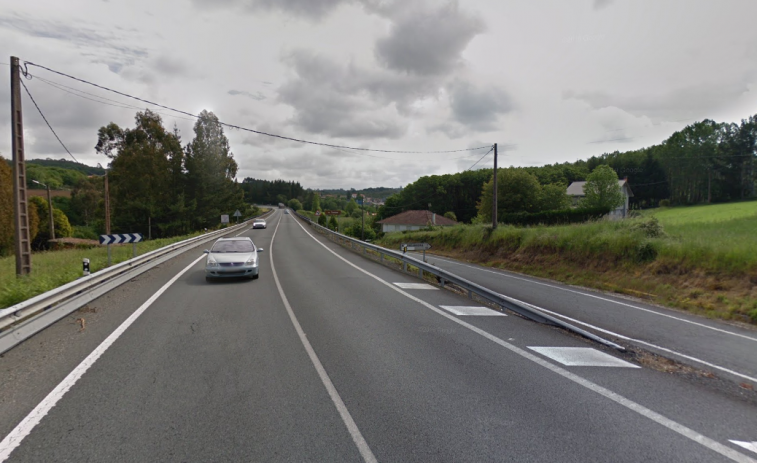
{"points": [[45, 119], [482, 157], [115, 103], [298, 140]]}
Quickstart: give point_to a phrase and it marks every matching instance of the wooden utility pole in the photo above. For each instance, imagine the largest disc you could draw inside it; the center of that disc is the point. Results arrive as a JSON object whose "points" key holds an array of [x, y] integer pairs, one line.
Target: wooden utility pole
{"points": [[107, 205], [22, 236], [494, 192]]}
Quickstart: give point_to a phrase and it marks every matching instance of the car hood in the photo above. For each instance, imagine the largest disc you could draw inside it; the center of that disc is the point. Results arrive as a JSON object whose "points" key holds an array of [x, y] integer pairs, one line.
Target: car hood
{"points": [[226, 257]]}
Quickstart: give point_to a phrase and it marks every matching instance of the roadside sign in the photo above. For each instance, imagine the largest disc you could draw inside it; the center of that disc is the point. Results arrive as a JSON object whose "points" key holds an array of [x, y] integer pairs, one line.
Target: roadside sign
{"points": [[332, 212], [415, 246], [225, 218], [317, 213], [237, 213], [359, 202], [121, 239]]}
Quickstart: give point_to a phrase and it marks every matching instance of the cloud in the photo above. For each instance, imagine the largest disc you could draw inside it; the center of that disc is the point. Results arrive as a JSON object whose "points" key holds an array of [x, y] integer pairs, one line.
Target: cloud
{"points": [[599, 4], [477, 108], [691, 101], [343, 100], [311, 9], [255, 96], [99, 44], [428, 40]]}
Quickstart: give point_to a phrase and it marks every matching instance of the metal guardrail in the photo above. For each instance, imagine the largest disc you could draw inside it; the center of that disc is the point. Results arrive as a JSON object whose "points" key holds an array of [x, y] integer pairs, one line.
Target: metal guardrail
{"points": [[444, 277], [21, 321]]}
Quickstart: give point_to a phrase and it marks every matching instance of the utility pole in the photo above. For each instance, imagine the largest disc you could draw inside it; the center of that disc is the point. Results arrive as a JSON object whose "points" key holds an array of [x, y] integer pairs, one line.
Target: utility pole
{"points": [[362, 229], [22, 243], [494, 192], [107, 205]]}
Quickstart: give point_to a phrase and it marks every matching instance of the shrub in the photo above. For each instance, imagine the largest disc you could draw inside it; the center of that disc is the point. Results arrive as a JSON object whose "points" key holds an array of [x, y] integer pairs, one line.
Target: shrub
{"points": [[450, 215], [664, 203], [333, 223], [650, 227], [322, 220], [562, 217]]}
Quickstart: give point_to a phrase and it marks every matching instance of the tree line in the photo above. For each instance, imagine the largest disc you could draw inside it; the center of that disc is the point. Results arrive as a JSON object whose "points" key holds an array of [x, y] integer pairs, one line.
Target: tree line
{"points": [[705, 162]]}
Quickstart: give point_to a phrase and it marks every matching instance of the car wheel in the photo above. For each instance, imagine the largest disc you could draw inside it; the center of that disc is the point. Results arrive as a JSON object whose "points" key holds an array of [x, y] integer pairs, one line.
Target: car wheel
{"points": [[255, 277], [208, 279]]}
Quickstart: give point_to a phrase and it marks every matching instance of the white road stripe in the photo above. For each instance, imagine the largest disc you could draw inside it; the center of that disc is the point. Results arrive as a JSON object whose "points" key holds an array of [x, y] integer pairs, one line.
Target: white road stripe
{"points": [[416, 286], [639, 341], [357, 436], [581, 357], [476, 311], [747, 445], [17, 435], [602, 299], [617, 398]]}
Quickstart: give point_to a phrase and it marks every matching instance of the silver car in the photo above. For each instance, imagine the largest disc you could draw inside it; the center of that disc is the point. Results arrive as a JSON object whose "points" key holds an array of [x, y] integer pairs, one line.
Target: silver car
{"points": [[232, 257], [258, 223]]}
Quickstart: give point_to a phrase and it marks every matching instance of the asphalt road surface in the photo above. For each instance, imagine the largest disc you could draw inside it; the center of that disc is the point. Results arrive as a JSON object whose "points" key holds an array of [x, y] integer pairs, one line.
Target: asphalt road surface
{"points": [[331, 357], [724, 349]]}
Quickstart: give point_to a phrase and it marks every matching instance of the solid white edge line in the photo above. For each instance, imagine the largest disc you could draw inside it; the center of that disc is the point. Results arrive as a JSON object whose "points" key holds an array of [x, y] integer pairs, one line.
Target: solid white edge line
{"points": [[357, 436], [598, 297], [617, 398], [665, 349], [22, 429]]}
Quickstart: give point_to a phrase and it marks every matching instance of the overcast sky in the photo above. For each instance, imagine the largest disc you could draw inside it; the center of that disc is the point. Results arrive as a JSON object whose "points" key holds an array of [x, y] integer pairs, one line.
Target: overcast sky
{"points": [[553, 81]]}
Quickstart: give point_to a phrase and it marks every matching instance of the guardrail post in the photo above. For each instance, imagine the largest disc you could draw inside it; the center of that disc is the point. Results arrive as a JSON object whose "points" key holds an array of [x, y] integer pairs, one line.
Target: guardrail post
{"points": [[134, 249], [470, 294], [365, 249], [108, 255], [382, 257], [404, 266], [441, 282]]}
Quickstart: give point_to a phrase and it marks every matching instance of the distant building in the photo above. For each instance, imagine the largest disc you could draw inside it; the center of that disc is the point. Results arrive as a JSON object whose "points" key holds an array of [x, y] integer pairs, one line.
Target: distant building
{"points": [[414, 220], [576, 192]]}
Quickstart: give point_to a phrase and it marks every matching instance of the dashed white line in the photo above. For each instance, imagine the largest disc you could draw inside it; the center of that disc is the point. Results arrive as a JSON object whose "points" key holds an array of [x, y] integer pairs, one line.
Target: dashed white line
{"points": [[601, 298], [581, 357], [474, 311], [357, 436], [617, 398], [639, 341], [416, 286], [747, 445]]}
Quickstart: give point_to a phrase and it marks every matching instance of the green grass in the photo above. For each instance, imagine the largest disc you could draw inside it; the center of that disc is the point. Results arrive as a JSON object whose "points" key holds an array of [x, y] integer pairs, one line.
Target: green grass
{"points": [[51, 269], [704, 214]]}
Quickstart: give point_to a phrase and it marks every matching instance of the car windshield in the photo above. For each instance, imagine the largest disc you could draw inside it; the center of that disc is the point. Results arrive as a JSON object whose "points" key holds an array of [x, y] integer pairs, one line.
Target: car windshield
{"points": [[233, 246], [259, 221]]}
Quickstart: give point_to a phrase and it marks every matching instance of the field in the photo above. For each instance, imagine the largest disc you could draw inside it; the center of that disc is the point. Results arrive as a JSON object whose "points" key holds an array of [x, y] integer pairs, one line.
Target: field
{"points": [[702, 258], [55, 268]]}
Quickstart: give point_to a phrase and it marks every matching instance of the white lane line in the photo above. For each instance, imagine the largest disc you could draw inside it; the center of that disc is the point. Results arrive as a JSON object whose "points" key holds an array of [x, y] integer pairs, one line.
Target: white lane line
{"points": [[22, 429], [747, 445], [602, 299], [416, 286], [582, 357], [475, 311], [617, 398], [357, 436], [639, 341]]}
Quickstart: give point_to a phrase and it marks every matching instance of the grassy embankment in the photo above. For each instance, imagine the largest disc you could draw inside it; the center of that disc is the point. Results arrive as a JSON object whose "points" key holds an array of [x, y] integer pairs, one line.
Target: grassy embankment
{"points": [[51, 269], [704, 260]]}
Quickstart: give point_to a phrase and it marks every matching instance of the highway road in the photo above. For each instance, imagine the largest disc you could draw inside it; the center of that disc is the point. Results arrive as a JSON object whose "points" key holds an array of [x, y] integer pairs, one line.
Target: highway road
{"points": [[332, 357], [724, 349]]}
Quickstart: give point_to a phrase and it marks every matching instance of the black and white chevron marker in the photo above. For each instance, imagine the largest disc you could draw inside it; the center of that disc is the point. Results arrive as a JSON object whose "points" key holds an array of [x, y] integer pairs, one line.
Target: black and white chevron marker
{"points": [[121, 239]]}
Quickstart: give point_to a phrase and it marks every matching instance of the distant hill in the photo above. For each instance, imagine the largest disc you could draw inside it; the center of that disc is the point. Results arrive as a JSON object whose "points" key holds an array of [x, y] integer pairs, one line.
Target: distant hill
{"points": [[60, 174], [378, 192], [66, 164]]}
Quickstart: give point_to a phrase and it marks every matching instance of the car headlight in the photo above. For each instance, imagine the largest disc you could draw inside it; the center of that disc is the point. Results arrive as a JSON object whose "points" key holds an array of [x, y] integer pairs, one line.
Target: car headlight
{"points": [[252, 261], [211, 263]]}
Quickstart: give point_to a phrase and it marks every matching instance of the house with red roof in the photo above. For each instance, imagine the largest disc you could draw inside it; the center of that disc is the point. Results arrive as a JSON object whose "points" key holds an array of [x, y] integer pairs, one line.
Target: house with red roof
{"points": [[414, 220]]}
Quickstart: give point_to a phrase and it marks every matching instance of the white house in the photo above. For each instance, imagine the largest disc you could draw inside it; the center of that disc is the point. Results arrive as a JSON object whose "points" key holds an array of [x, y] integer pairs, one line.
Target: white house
{"points": [[413, 220], [576, 192]]}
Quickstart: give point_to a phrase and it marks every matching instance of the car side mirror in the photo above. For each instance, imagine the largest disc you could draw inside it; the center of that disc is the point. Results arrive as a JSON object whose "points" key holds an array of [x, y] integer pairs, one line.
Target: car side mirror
{"points": [[206, 251], [260, 249]]}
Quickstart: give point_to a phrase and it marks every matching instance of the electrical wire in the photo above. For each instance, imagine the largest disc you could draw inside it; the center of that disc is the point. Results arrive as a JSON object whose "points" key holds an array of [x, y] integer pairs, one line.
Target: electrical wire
{"points": [[46, 122], [232, 126], [482, 157]]}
